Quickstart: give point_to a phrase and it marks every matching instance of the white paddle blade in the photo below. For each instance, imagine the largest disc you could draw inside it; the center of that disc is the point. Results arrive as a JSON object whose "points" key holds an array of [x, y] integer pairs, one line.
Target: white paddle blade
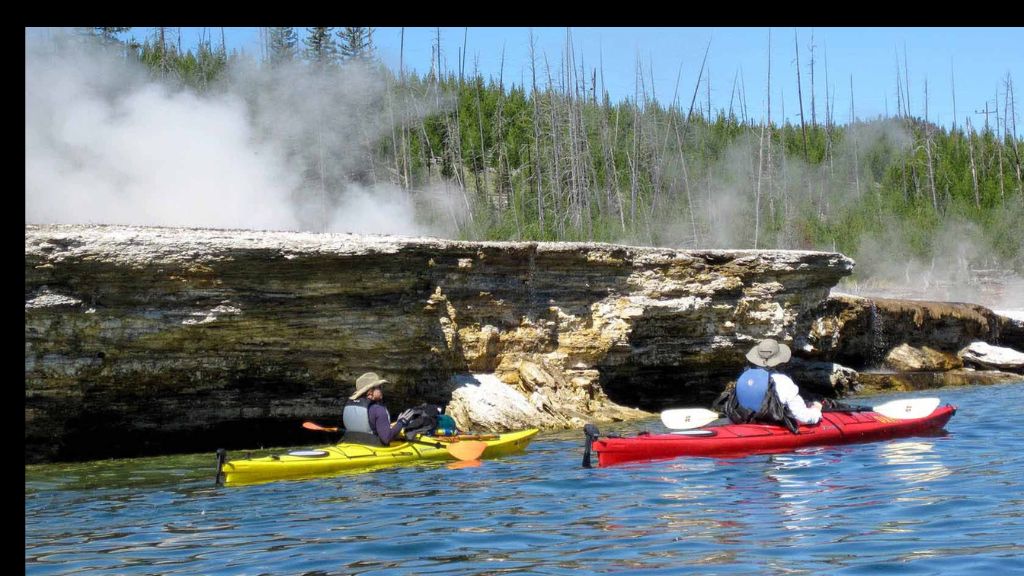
{"points": [[687, 418], [908, 409]]}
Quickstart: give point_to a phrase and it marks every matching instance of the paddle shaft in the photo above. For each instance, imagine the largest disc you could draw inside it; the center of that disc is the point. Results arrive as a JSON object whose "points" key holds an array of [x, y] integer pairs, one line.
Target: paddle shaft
{"points": [[847, 408], [319, 428], [461, 450], [689, 418], [426, 443], [461, 437], [456, 438]]}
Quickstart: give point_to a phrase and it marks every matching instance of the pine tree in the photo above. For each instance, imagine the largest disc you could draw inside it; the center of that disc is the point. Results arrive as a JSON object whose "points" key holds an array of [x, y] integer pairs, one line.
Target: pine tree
{"points": [[320, 46], [356, 42], [108, 35], [282, 45]]}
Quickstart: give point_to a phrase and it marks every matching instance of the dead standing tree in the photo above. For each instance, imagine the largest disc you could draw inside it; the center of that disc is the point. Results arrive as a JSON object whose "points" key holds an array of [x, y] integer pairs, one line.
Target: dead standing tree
{"points": [[673, 119], [579, 188], [800, 96], [769, 176], [974, 168], [1011, 115], [757, 194], [633, 157], [538, 175], [999, 150], [609, 139], [555, 127], [851, 131], [928, 150]]}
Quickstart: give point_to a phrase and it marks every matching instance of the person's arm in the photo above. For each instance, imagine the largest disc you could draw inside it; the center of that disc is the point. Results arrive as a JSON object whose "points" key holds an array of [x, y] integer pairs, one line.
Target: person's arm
{"points": [[789, 395], [380, 422]]}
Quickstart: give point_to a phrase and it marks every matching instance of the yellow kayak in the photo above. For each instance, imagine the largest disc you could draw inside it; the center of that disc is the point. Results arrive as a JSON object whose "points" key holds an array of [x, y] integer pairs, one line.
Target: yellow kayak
{"points": [[341, 457]]}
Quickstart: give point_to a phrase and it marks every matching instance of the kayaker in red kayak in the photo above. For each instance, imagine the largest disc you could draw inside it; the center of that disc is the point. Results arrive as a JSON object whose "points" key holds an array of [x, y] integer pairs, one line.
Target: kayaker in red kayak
{"points": [[366, 419], [761, 395]]}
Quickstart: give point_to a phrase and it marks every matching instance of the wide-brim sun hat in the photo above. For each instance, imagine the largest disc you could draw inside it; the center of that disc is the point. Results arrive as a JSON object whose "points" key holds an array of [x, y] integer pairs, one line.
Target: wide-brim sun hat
{"points": [[769, 353], [365, 383]]}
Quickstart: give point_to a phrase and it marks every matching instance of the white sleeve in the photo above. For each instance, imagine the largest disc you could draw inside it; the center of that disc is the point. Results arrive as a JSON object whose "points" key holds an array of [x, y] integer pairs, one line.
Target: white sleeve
{"points": [[789, 395]]}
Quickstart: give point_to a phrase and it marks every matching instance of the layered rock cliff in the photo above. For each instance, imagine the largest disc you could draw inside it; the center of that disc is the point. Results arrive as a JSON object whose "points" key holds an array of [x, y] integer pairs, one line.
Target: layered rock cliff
{"points": [[154, 340], [906, 345], [863, 332], [147, 340]]}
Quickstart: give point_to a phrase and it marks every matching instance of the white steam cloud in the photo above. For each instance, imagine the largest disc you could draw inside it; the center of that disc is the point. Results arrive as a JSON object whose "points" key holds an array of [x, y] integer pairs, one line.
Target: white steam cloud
{"points": [[964, 268], [272, 149]]}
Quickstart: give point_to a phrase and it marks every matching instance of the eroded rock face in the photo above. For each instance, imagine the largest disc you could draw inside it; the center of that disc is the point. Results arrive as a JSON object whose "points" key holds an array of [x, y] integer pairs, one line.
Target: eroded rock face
{"points": [[862, 332], [148, 340]]}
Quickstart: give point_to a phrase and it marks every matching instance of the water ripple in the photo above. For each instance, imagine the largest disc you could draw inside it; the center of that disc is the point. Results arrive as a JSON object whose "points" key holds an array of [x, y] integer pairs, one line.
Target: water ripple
{"points": [[932, 505]]}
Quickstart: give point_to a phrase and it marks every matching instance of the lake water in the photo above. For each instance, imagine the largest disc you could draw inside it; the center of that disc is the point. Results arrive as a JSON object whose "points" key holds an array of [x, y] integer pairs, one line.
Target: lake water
{"points": [[951, 504]]}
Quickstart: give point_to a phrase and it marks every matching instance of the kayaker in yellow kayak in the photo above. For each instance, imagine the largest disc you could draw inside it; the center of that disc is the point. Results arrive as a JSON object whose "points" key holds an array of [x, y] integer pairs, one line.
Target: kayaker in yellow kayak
{"points": [[370, 440], [366, 419]]}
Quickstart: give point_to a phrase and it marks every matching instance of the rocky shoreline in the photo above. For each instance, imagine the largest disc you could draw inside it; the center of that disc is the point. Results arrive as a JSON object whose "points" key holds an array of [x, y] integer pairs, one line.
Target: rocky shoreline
{"points": [[146, 340]]}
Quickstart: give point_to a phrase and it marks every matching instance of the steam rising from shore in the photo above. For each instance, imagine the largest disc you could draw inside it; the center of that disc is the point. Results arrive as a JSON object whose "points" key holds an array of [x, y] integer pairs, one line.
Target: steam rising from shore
{"points": [[278, 148], [289, 149]]}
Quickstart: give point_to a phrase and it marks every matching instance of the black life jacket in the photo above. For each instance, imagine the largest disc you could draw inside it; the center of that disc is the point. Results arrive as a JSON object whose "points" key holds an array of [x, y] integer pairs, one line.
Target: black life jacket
{"points": [[356, 420], [771, 410]]}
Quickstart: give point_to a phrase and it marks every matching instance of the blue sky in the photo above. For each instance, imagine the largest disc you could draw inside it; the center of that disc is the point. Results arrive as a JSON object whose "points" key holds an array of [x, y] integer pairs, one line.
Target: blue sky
{"points": [[976, 59]]}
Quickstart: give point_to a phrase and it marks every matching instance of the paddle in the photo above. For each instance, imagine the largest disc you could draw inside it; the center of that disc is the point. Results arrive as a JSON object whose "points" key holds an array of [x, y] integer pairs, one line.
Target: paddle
{"points": [[464, 437], [906, 409], [687, 418], [468, 450], [319, 428], [463, 450]]}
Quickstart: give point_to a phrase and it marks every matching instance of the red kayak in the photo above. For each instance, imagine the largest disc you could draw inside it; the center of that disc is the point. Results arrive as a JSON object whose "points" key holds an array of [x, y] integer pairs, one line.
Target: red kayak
{"points": [[735, 440]]}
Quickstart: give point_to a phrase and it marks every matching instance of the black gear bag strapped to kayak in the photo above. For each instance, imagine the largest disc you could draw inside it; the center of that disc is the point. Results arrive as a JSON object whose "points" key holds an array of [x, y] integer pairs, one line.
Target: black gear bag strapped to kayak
{"points": [[423, 420]]}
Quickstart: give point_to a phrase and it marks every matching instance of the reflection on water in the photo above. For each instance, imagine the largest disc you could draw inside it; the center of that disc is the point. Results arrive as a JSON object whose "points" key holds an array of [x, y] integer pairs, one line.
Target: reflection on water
{"points": [[914, 462], [893, 506]]}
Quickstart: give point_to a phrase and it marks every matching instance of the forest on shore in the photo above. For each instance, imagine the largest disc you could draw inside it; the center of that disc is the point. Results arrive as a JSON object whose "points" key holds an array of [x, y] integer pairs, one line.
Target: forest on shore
{"points": [[553, 158]]}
